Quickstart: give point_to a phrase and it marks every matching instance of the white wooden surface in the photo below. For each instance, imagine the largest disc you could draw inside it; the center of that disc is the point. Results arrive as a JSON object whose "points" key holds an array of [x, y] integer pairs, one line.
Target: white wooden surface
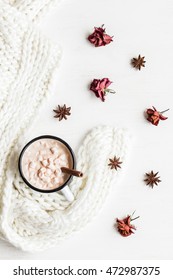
{"points": [[139, 27]]}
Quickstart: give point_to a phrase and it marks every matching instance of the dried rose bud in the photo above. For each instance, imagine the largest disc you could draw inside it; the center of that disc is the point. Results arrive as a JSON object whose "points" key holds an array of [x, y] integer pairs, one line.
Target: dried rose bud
{"points": [[99, 37], [124, 226], [100, 87], [155, 116]]}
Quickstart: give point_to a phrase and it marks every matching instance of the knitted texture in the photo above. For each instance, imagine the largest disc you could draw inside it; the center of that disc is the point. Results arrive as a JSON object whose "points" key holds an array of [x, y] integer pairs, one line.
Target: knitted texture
{"points": [[31, 220], [33, 9], [28, 62], [35, 221]]}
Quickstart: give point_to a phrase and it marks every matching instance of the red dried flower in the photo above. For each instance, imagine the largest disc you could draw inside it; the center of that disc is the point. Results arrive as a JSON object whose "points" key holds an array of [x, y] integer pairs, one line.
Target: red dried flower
{"points": [[99, 37], [124, 226], [155, 116], [100, 87]]}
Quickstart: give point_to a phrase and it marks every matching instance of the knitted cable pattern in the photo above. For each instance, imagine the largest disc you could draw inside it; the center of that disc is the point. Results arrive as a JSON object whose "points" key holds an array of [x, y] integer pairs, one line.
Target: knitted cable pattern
{"points": [[31, 220], [28, 62], [33, 9], [34, 221]]}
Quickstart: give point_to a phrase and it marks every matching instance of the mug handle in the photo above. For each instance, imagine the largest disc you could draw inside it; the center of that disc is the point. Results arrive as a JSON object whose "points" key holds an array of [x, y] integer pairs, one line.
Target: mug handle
{"points": [[67, 193]]}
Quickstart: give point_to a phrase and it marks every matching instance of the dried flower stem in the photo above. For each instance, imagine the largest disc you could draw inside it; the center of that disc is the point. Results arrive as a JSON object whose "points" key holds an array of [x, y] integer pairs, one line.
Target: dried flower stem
{"points": [[110, 91], [135, 218], [164, 111], [132, 216]]}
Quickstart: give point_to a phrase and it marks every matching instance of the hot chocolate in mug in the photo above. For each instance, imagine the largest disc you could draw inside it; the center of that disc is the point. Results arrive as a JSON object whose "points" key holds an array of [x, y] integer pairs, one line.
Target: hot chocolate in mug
{"points": [[47, 164]]}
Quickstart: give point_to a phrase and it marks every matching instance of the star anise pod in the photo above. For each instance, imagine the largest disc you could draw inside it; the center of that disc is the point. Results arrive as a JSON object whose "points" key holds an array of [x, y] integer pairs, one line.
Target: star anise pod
{"points": [[152, 179], [62, 112], [115, 163], [138, 62]]}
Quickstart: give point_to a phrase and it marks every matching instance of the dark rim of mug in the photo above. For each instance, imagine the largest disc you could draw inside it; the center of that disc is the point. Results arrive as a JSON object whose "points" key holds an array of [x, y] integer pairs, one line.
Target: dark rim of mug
{"points": [[23, 151]]}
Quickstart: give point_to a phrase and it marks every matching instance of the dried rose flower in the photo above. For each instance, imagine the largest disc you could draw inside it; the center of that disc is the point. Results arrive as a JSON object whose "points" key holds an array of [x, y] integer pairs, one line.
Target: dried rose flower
{"points": [[100, 87], [155, 116], [99, 37], [124, 226]]}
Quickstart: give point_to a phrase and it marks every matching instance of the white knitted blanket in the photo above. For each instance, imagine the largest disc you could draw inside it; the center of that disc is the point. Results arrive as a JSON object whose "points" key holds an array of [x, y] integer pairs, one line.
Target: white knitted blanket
{"points": [[30, 220], [32, 9]]}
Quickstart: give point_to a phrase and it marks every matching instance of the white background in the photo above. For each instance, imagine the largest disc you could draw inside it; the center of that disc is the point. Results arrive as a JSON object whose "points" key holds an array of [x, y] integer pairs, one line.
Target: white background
{"points": [[139, 27]]}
